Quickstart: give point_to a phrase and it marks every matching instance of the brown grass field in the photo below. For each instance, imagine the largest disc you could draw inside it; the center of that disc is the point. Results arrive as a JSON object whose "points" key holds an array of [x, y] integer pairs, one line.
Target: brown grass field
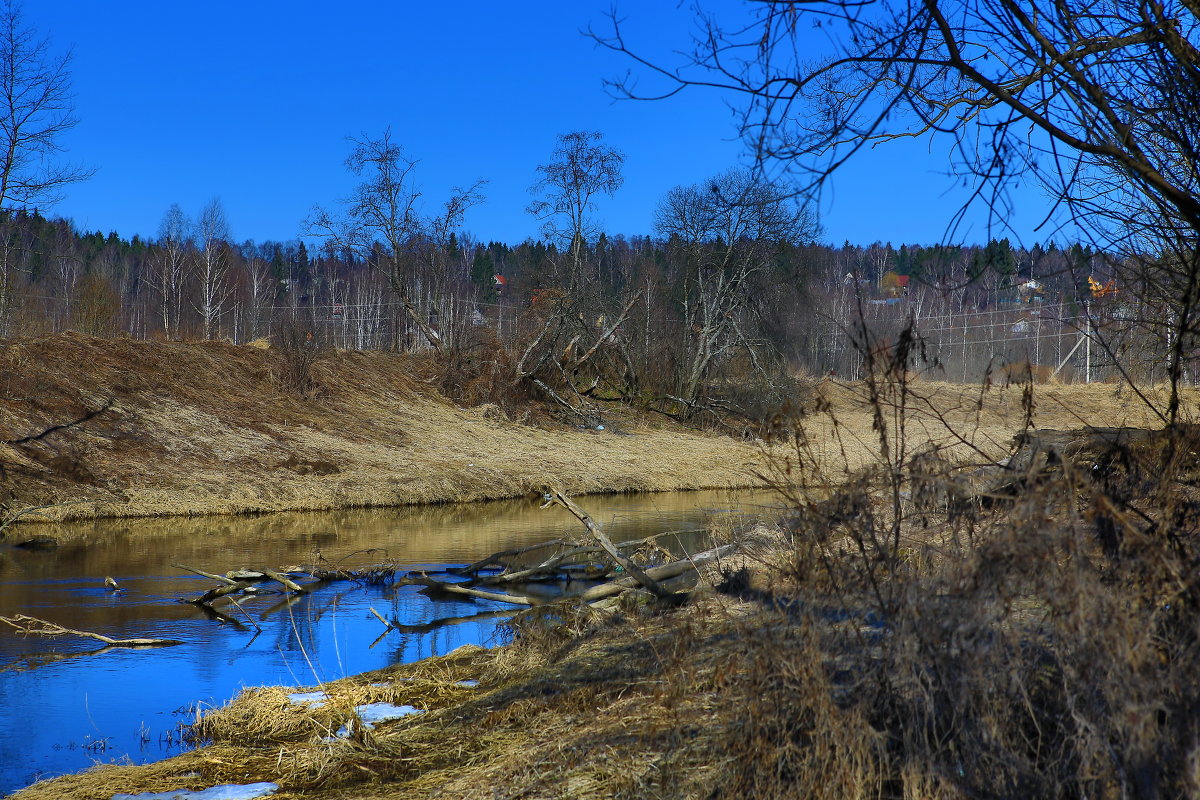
{"points": [[198, 428], [206, 428]]}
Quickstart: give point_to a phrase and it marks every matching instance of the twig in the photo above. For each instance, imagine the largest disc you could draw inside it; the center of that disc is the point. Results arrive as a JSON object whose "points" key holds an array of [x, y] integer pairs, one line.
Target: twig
{"points": [[249, 618], [36, 510], [379, 617], [55, 428], [210, 575]]}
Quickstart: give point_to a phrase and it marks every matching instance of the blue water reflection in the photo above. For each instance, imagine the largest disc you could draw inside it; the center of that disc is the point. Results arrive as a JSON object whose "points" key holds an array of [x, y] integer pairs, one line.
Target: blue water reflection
{"points": [[68, 703]]}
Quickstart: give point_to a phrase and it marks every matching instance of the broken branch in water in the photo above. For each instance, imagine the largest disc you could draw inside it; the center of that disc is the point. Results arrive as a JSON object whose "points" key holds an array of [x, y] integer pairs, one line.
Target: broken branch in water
{"points": [[425, 580], [500, 558], [32, 626], [598, 534], [244, 583], [660, 573]]}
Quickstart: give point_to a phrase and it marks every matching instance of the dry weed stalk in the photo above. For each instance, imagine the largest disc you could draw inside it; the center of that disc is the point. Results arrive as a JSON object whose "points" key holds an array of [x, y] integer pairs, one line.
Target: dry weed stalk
{"points": [[1032, 640]]}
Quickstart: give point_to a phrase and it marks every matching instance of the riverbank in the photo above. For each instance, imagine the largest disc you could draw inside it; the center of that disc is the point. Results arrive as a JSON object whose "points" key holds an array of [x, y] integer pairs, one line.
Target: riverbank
{"points": [[116, 428], [916, 631], [611, 703], [211, 428]]}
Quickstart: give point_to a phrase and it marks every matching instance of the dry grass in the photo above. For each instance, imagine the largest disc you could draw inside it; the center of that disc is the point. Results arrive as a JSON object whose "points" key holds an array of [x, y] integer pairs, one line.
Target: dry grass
{"points": [[205, 428], [209, 428], [961, 420], [1005, 649], [896, 637], [630, 705]]}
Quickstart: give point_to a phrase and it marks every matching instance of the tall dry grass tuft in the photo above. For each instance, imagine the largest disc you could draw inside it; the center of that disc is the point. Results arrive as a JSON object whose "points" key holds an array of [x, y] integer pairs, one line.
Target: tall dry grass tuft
{"points": [[1027, 631]]}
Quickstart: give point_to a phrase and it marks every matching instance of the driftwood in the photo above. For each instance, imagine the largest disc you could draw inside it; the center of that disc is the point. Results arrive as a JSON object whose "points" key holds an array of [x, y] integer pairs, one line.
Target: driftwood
{"points": [[291, 585], [455, 588], [561, 559], [660, 573], [243, 584], [212, 576], [568, 557], [598, 534], [220, 591], [501, 557], [32, 626]]}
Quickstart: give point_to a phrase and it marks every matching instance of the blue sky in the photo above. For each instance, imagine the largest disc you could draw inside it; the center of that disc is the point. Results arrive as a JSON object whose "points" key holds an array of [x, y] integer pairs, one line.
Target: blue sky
{"points": [[251, 102]]}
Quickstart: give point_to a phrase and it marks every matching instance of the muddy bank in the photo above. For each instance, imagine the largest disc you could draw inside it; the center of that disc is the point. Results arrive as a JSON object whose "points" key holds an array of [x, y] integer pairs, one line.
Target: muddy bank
{"points": [[200, 428]]}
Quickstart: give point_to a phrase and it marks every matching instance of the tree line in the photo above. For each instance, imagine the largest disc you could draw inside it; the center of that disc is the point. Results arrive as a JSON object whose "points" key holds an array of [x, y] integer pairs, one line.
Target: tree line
{"points": [[717, 311], [721, 288]]}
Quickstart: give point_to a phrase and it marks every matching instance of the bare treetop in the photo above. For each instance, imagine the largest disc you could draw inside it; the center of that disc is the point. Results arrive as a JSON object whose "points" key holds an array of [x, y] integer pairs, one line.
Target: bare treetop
{"points": [[1097, 102], [35, 110], [581, 167]]}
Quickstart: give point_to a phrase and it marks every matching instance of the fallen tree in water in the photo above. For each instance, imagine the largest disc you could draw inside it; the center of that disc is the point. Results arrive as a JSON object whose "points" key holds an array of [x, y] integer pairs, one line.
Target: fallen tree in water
{"points": [[561, 560], [32, 626]]}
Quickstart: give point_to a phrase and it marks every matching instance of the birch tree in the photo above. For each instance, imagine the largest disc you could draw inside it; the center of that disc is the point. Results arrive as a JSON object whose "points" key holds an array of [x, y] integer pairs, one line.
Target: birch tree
{"points": [[169, 268], [382, 222], [212, 267], [581, 167]]}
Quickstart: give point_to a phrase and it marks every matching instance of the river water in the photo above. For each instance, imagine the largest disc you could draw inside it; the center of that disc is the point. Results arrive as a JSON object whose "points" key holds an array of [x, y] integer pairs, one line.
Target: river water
{"points": [[66, 703]]}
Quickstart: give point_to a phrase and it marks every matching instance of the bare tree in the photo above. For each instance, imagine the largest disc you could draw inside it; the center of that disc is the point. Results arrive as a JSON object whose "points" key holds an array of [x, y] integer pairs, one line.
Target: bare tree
{"points": [[170, 267], [1098, 103], [260, 290], [382, 220], [581, 167], [212, 234], [726, 231], [35, 110]]}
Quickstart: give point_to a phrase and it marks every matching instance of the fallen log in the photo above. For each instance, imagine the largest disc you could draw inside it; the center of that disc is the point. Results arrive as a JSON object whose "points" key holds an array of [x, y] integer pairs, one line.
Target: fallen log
{"points": [[554, 568], [1037, 451], [454, 588], [497, 558], [550, 568], [32, 626], [291, 585], [219, 591], [662, 573], [598, 534]]}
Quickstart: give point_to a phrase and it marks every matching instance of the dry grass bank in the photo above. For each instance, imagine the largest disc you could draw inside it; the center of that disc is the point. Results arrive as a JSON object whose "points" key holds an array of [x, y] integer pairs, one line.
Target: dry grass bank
{"points": [[208, 428], [630, 703], [970, 422], [194, 428]]}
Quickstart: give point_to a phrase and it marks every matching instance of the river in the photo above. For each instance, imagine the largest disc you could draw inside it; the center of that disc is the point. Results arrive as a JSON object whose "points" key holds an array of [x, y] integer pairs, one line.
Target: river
{"points": [[66, 703]]}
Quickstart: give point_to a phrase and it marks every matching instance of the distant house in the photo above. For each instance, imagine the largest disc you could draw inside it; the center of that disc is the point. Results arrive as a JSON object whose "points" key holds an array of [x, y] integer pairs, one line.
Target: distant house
{"points": [[500, 282], [1030, 291], [893, 285]]}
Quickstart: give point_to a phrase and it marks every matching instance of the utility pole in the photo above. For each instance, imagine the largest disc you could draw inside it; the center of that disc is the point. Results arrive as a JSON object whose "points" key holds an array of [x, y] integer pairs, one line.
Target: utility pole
{"points": [[1087, 349]]}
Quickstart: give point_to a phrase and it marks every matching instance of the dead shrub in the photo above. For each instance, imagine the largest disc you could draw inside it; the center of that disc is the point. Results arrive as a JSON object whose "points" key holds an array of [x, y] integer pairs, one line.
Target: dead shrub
{"points": [[300, 350], [477, 369], [1026, 631]]}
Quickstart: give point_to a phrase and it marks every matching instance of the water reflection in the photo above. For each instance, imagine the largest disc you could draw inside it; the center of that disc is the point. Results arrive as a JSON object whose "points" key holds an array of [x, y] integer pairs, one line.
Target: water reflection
{"points": [[65, 703]]}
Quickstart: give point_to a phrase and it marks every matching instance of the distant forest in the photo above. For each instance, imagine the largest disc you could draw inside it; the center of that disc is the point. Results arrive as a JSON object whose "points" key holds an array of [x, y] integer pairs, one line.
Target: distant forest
{"points": [[812, 307]]}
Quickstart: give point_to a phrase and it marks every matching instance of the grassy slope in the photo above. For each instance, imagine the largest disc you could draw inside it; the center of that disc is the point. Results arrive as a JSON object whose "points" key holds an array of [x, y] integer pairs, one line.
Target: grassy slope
{"points": [[205, 428], [198, 428]]}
